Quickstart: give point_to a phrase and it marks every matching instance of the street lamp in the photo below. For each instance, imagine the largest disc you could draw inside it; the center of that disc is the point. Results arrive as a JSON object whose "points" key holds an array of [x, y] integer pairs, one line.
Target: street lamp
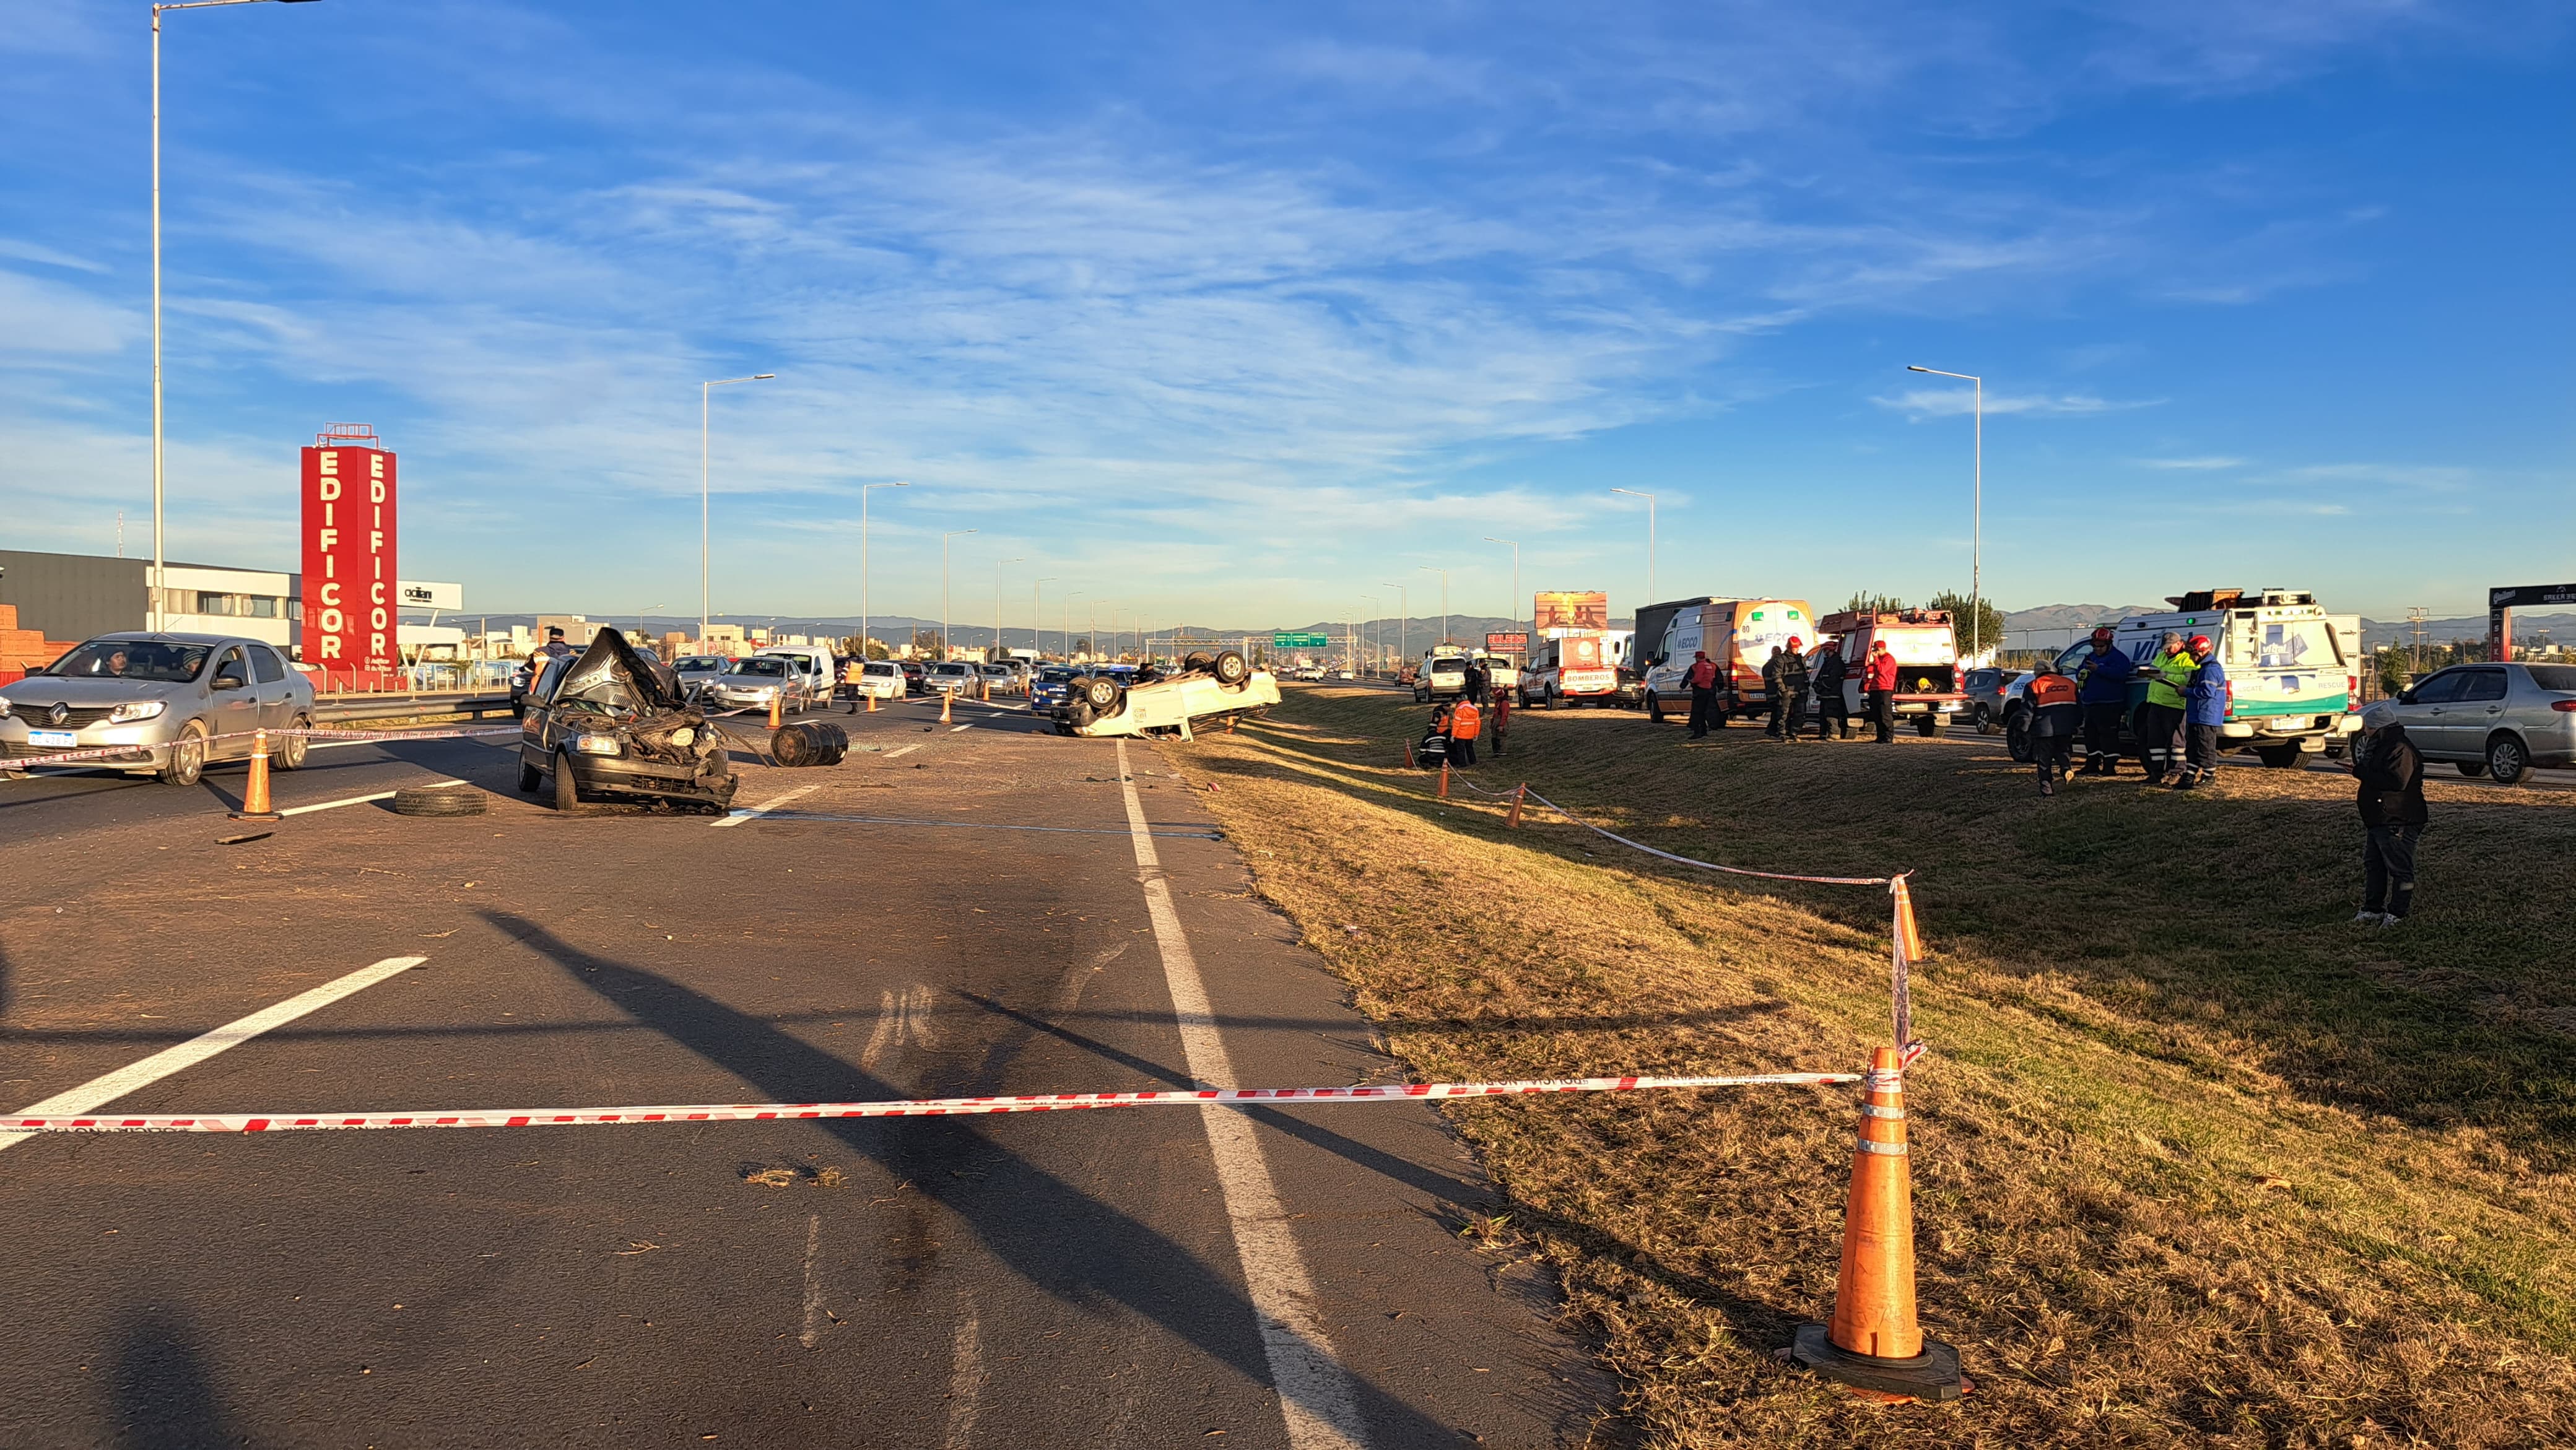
{"points": [[1977, 520], [1371, 601], [863, 562], [1403, 619], [1650, 537], [1035, 647], [943, 586], [1444, 599], [1070, 595], [705, 593], [998, 566], [160, 558], [1516, 582]]}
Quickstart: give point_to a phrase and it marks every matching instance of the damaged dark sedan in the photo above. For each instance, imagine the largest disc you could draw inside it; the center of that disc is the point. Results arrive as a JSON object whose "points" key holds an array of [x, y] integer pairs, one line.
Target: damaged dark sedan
{"points": [[613, 724]]}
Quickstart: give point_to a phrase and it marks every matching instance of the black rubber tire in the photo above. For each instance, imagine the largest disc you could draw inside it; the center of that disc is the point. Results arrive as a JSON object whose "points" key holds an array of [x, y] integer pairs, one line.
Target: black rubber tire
{"points": [[1986, 723], [1927, 726], [438, 800], [288, 753], [2278, 757], [2017, 736], [567, 793], [2508, 759], [531, 779], [1230, 667], [2471, 768], [1654, 707], [1102, 694], [187, 756], [1077, 715], [1197, 659]]}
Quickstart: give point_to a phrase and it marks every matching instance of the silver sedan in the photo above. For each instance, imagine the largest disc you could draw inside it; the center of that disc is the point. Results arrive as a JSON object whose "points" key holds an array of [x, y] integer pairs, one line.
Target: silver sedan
{"points": [[166, 703], [2498, 720]]}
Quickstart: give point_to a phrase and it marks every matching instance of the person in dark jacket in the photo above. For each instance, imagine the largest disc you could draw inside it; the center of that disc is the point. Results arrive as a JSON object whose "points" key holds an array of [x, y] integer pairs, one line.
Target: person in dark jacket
{"points": [[1789, 704], [1771, 690], [2102, 689], [1833, 716], [2055, 716], [1479, 684], [2393, 816], [2204, 710], [1702, 679]]}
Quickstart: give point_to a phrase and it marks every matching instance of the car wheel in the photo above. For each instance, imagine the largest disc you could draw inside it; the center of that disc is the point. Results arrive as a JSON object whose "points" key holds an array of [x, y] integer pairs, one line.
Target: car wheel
{"points": [[187, 755], [1927, 726], [2507, 759], [2017, 736], [1654, 707], [1230, 668], [1985, 722], [289, 754], [567, 794], [1101, 693], [2471, 768], [2279, 757], [531, 779]]}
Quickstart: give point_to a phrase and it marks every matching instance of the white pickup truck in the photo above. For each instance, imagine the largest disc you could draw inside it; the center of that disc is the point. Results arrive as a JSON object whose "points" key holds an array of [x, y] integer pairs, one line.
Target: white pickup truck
{"points": [[1210, 689]]}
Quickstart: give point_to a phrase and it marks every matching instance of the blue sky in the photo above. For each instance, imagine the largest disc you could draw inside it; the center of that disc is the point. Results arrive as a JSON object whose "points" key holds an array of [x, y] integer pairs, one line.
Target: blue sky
{"points": [[1233, 313]]}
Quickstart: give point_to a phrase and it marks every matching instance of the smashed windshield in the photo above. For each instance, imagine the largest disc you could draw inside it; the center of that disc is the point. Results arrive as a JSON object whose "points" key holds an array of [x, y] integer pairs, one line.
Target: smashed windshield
{"points": [[132, 659], [759, 665]]}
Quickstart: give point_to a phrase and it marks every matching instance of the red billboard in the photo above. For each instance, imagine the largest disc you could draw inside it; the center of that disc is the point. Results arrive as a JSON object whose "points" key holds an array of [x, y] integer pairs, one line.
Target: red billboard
{"points": [[349, 575]]}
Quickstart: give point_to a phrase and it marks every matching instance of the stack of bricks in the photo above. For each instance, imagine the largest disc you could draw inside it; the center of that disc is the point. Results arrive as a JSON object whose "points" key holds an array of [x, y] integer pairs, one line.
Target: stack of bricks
{"points": [[22, 650]]}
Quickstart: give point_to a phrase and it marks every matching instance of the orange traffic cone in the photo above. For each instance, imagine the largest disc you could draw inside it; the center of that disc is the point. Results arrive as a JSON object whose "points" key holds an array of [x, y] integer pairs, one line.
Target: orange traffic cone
{"points": [[1444, 780], [777, 707], [1873, 1342], [1514, 820], [947, 701], [255, 806], [872, 702]]}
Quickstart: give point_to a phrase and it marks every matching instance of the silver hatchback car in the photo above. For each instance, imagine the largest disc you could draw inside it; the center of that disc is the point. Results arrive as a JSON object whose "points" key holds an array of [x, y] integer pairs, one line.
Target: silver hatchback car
{"points": [[173, 701], [2494, 720]]}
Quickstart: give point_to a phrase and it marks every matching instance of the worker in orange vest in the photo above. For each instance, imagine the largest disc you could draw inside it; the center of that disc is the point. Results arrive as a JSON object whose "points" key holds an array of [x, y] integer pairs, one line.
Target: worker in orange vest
{"points": [[1466, 722], [2055, 719]]}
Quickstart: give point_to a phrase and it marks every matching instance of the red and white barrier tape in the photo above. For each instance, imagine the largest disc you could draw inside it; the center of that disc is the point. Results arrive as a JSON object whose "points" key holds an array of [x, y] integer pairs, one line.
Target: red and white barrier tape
{"points": [[1708, 865], [111, 752], [901, 1108]]}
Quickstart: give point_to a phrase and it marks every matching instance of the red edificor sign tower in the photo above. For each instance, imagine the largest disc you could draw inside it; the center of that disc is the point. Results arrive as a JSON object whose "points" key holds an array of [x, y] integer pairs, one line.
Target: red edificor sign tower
{"points": [[350, 610]]}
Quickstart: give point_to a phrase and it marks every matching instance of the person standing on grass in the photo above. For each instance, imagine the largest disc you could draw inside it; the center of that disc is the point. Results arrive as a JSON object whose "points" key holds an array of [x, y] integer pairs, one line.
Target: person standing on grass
{"points": [[1878, 681], [2102, 689], [1833, 717], [1771, 688], [1793, 690], [2393, 816], [1476, 682], [1466, 722], [2055, 715], [2160, 719], [2205, 706], [1502, 719], [1702, 679]]}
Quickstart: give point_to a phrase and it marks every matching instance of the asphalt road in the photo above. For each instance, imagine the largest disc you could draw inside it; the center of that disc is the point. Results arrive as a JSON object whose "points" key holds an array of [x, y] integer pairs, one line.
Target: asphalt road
{"points": [[894, 930]]}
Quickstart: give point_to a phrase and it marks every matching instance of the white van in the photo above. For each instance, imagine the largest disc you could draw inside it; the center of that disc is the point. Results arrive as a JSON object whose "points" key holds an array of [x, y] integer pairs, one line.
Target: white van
{"points": [[811, 664]]}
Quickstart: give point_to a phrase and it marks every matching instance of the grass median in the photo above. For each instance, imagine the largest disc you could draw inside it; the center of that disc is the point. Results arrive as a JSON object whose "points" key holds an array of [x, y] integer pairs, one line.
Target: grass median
{"points": [[2199, 1161]]}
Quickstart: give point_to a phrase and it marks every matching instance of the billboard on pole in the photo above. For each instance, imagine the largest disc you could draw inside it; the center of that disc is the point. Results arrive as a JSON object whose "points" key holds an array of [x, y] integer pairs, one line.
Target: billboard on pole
{"points": [[349, 576], [1562, 609]]}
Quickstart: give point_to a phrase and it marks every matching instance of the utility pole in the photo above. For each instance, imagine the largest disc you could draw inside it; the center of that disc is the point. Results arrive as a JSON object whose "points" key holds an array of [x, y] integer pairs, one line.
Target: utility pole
{"points": [[1403, 619], [1977, 519], [2416, 615]]}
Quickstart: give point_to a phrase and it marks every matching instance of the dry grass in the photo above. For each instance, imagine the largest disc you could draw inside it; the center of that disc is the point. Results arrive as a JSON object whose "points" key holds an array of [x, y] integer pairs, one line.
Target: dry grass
{"points": [[2198, 1162]]}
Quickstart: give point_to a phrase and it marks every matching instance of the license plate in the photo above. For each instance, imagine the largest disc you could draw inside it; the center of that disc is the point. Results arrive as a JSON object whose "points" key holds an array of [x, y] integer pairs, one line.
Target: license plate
{"points": [[57, 738]]}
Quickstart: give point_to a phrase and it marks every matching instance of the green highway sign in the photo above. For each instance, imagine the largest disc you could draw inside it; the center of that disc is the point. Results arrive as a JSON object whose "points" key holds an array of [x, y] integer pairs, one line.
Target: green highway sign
{"points": [[1300, 641]]}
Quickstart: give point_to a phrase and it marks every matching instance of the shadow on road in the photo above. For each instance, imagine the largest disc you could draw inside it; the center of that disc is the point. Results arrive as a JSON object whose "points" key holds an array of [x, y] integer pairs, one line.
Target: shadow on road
{"points": [[163, 1393], [1053, 1235]]}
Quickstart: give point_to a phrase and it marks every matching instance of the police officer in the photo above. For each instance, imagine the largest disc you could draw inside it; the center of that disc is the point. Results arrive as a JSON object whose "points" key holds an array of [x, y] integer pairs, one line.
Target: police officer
{"points": [[1833, 716], [2205, 709], [1793, 690], [2160, 719], [2102, 688]]}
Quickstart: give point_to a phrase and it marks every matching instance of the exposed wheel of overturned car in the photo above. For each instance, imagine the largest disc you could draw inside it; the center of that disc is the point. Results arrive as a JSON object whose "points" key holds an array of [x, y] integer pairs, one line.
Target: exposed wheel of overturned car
{"points": [[1230, 667], [1197, 659], [1102, 694]]}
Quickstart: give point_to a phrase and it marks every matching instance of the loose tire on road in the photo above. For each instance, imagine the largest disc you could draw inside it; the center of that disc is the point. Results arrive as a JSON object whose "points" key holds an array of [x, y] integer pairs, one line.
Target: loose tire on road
{"points": [[567, 794], [187, 755], [816, 742], [289, 754], [438, 800], [1230, 667]]}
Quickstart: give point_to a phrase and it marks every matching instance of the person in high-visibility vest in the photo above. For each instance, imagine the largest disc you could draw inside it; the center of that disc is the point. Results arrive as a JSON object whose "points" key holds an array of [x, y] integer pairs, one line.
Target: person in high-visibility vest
{"points": [[2160, 719], [1466, 722], [2055, 717]]}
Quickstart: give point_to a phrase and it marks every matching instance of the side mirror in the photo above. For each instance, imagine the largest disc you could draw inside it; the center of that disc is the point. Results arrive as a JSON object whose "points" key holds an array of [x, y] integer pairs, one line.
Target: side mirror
{"points": [[230, 681], [2406, 697]]}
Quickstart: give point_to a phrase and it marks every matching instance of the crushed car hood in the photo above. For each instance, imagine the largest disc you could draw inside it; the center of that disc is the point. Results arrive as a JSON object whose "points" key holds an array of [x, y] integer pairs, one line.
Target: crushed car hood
{"points": [[616, 676]]}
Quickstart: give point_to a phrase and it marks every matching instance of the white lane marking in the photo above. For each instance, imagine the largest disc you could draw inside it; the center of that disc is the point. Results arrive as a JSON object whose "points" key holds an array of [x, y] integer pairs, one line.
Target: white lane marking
{"points": [[813, 1284], [907, 750], [98, 1092], [1316, 1396], [965, 1379], [357, 800], [900, 1020], [737, 817], [969, 725]]}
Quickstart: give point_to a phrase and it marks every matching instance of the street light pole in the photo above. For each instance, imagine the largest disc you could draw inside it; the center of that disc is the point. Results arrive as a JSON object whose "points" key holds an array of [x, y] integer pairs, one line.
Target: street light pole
{"points": [[998, 566], [1650, 537], [863, 563], [1977, 520], [1403, 619], [1070, 595], [1035, 647], [944, 650], [705, 589], [1444, 600], [160, 555], [1516, 584]]}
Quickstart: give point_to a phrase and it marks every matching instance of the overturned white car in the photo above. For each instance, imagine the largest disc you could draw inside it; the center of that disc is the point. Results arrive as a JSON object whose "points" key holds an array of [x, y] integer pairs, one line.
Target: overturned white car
{"points": [[1208, 690]]}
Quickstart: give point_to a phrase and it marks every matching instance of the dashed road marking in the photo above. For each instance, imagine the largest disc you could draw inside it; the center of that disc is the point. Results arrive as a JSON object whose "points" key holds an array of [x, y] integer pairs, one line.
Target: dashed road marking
{"points": [[357, 800], [98, 1092], [907, 750], [737, 817]]}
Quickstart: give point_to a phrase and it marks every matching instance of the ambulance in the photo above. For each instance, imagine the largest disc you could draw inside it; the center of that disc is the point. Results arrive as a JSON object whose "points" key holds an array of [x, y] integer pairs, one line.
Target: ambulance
{"points": [[1739, 634]]}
